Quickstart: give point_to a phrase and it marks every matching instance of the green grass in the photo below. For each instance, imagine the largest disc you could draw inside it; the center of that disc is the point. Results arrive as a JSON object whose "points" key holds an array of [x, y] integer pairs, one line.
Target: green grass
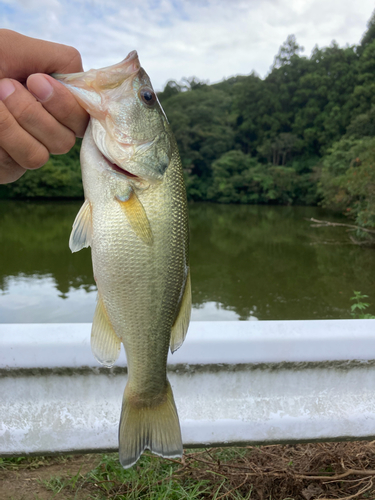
{"points": [[57, 483], [152, 478], [17, 463]]}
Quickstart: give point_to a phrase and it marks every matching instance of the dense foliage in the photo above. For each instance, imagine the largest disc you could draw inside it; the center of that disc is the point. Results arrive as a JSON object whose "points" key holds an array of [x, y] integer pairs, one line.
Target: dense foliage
{"points": [[304, 134], [59, 178]]}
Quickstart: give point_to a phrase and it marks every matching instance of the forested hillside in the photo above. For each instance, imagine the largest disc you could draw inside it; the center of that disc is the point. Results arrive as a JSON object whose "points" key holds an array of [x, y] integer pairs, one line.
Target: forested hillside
{"points": [[305, 134]]}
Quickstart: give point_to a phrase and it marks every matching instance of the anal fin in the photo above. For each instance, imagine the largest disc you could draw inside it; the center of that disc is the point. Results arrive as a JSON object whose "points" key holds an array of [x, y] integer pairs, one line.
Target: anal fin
{"points": [[181, 324], [136, 215], [81, 234], [105, 344]]}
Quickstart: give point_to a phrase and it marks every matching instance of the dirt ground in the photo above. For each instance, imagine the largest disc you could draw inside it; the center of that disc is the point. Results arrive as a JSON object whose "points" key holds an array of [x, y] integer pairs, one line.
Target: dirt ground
{"points": [[25, 482], [319, 471]]}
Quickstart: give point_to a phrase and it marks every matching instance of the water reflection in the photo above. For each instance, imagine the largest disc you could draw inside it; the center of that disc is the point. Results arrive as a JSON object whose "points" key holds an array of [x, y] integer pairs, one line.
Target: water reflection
{"points": [[247, 262], [35, 299], [269, 262]]}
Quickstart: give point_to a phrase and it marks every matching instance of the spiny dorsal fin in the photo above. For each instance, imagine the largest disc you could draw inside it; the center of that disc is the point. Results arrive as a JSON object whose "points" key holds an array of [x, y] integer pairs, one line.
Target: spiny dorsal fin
{"points": [[81, 234], [181, 324], [105, 344], [136, 215]]}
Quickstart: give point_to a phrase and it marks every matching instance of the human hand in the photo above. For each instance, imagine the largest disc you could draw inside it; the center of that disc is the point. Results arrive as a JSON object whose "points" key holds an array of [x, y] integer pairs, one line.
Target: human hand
{"points": [[32, 128]]}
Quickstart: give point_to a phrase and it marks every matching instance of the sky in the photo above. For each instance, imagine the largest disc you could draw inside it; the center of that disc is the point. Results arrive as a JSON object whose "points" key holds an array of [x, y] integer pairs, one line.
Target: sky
{"points": [[208, 39]]}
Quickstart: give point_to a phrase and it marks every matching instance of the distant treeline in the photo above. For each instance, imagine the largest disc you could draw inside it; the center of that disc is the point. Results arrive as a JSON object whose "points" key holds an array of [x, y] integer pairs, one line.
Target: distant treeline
{"points": [[305, 134]]}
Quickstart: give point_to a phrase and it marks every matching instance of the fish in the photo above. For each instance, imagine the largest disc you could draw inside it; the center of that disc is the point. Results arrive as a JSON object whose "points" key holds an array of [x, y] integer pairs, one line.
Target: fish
{"points": [[135, 219]]}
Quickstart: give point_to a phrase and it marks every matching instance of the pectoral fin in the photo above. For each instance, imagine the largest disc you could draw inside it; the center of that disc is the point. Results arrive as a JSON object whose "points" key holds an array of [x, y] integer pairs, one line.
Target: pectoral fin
{"points": [[181, 324], [136, 215], [81, 234], [105, 344]]}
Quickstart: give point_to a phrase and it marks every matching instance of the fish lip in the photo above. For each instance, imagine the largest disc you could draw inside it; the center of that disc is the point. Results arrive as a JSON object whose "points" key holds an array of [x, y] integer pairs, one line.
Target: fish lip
{"points": [[122, 171], [92, 77], [119, 170]]}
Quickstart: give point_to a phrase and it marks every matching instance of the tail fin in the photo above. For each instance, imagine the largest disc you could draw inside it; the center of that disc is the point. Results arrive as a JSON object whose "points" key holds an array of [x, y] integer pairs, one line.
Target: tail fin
{"points": [[154, 428]]}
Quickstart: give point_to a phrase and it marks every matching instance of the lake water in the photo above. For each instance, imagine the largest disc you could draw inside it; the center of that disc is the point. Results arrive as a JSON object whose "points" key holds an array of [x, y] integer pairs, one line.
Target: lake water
{"points": [[247, 263]]}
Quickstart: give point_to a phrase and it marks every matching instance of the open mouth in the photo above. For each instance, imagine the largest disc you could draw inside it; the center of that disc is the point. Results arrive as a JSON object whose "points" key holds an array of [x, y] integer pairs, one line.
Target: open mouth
{"points": [[120, 170]]}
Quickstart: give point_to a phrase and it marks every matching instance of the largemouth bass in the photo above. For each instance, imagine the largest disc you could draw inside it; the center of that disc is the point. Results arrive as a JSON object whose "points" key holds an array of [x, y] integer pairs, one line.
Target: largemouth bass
{"points": [[135, 219]]}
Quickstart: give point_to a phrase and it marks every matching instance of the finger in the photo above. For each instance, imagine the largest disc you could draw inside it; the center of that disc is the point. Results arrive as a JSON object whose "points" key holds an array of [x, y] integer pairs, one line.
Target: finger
{"points": [[59, 102], [21, 56], [19, 144], [10, 171], [35, 120]]}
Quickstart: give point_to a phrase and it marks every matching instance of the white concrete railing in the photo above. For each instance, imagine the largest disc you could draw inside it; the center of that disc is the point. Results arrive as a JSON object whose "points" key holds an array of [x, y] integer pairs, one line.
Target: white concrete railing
{"points": [[234, 383]]}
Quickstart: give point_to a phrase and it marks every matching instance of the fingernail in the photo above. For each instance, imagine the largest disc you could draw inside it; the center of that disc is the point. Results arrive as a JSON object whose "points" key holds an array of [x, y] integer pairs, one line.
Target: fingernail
{"points": [[40, 87], [6, 89]]}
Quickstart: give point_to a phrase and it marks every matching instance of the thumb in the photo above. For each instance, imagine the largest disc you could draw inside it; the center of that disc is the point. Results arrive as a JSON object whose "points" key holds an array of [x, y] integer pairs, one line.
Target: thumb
{"points": [[59, 102]]}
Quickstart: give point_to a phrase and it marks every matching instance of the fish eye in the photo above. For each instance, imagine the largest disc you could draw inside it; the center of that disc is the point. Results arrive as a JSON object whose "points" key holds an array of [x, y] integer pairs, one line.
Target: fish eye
{"points": [[148, 96]]}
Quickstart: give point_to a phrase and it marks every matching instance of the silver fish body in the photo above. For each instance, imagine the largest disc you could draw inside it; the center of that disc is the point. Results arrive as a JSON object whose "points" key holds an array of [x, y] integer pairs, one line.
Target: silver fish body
{"points": [[135, 220]]}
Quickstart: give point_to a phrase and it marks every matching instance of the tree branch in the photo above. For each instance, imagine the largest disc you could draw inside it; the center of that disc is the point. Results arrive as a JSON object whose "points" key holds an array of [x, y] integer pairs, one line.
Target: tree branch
{"points": [[325, 223]]}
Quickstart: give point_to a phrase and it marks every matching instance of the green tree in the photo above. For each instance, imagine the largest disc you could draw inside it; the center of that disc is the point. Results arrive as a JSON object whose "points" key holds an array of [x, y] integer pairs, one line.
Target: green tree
{"points": [[347, 182], [59, 178], [240, 178], [234, 180], [362, 97], [200, 120], [369, 35]]}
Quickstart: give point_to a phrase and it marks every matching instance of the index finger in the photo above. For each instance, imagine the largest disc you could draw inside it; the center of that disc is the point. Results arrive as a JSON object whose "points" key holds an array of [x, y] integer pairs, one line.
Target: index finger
{"points": [[21, 56]]}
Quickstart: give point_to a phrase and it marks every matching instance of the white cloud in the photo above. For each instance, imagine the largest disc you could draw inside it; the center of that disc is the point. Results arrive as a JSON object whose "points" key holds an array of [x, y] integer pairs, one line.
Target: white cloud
{"points": [[210, 39]]}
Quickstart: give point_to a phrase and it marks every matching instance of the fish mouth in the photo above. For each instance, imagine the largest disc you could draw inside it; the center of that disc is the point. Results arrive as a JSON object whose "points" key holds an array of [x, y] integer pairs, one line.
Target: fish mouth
{"points": [[120, 170]]}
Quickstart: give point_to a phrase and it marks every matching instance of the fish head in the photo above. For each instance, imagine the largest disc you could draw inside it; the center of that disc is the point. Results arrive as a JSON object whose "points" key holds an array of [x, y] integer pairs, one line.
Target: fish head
{"points": [[129, 126]]}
